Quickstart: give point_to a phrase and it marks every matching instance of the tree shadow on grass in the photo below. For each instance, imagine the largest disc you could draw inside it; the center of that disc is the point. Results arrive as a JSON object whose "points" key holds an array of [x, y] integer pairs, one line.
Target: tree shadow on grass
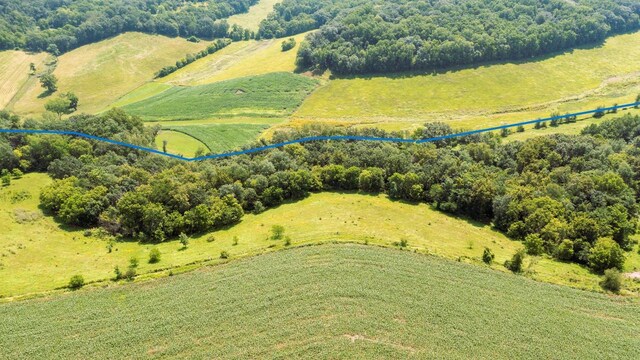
{"points": [[45, 94]]}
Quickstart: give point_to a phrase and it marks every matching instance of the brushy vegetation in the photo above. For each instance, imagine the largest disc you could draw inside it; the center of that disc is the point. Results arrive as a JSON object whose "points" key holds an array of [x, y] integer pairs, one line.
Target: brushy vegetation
{"points": [[222, 137], [274, 94], [340, 301]]}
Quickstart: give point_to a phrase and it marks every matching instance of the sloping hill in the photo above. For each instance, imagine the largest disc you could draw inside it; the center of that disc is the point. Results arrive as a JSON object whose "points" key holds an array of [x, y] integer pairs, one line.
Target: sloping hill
{"points": [[332, 301], [101, 73], [251, 19], [14, 73]]}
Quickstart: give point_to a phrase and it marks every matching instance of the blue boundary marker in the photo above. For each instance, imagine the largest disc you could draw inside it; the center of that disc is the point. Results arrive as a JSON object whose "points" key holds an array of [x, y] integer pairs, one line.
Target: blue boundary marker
{"points": [[312, 138]]}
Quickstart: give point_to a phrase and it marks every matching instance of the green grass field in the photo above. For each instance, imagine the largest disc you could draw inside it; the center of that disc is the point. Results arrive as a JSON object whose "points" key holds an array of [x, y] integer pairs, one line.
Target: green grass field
{"points": [[222, 137], [38, 255], [179, 143], [240, 59], [14, 73], [103, 72], [331, 301], [276, 95], [487, 94], [251, 20]]}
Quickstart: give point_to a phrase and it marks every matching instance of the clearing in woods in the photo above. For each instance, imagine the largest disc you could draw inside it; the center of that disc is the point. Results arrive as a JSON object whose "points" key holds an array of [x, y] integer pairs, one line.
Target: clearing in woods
{"points": [[251, 20], [485, 95], [333, 301]]}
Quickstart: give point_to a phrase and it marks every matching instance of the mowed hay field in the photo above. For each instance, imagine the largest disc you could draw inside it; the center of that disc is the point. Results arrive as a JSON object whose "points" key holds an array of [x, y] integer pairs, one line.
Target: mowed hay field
{"points": [[14, 73], [221, 137], [240, 59], [330, 301], [275, 95], [251, 20], [488, 94], [38, 255], [179, 143], [103, 72]]}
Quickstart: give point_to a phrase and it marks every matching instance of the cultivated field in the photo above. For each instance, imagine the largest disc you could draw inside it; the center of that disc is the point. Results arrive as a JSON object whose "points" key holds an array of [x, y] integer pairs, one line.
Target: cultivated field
{"points": [[179, 143], [487, 94], [103, 72], [256, 14], [276, 95], [14, 73], [331, 301], [37, 255], [221, 137], [240, 59]]}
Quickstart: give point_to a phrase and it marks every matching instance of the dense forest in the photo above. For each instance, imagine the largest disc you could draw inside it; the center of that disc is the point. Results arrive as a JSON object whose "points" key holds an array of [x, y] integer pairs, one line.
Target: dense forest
{"points": [[62, 25], [571, 197], [358, 36]]}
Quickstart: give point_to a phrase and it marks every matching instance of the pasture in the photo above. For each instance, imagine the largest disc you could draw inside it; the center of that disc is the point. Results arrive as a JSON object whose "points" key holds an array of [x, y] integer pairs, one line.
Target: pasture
{"points": [[485, 95], [102, 72], [179, 143], [222, 137], [14, 73], [270, 95], [39, 255], [251, 20], [330, 301]]}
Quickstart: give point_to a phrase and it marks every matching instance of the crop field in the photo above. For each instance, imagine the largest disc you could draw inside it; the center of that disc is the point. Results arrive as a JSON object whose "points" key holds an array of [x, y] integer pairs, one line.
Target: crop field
{"points": [[102, 72], [14, 73], [222, 137], [276, 95], [251, 20], [332, 301], [485, 95], [38, 255], [240, 59], [179, 143]]}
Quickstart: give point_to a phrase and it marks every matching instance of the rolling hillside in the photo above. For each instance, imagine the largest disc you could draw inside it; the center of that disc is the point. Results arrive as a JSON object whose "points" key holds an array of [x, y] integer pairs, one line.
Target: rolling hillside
{"points": [[330, 301], [14, 73], [484, 95], [103, 72]]}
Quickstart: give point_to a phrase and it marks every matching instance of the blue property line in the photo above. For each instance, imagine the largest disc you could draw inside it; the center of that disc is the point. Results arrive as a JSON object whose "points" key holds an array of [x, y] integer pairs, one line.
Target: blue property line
{"points": [[312, 138]]}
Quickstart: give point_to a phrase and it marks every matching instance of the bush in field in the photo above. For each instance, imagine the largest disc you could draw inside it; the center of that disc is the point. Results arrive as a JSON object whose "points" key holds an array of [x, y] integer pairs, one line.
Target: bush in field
{"points": [[224, 254], [184, 240], [154, 256], [606, 254], [612, 280], [515, 264], [533, 243], [288, 44], [76, 282], [277, 231], [488, 256]]}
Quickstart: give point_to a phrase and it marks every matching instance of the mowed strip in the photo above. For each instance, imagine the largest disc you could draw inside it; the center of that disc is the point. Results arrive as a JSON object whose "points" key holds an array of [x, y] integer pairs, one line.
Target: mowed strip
{"points": [[270, 95], [331, 301], [14, 72]]}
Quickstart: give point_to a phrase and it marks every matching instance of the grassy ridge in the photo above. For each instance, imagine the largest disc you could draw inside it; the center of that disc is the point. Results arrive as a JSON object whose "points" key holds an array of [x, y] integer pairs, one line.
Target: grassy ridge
{"points": [[276, 94], [39, 255], [330, 301], [222, 137], [101, 73], [485, 95]]}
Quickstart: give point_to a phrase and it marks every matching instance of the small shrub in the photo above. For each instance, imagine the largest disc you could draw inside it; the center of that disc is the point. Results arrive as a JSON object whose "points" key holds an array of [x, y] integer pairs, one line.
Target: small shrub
{"points": [[154, 256], [520, 129], [488, 256], [599, 112], [287, 241], [235, 241], [288, 44], [534, 244], [403, 243], [76, 282], [515, 264], [118, 272], [564, 251], [277, 231], [184, 240], [17, 174], [6, 180], [130, 274], [133, 262], [211, 239], [612, 280], [224, 254]]}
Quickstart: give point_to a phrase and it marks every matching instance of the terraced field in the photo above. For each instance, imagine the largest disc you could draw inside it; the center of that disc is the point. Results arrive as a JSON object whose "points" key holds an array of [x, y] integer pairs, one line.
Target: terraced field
{"points": [[332, 301]]}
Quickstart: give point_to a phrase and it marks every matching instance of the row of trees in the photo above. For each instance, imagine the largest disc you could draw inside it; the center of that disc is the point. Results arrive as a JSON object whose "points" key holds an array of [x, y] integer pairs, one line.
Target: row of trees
{"points": [[211, 49], [359, 36], [571, 197], [59, 26]]}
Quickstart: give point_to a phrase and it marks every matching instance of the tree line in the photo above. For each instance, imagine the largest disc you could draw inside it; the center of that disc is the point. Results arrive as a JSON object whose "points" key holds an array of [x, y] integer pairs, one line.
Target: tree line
{"points": [[58, 26], [571, 197], [358, 36]]}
